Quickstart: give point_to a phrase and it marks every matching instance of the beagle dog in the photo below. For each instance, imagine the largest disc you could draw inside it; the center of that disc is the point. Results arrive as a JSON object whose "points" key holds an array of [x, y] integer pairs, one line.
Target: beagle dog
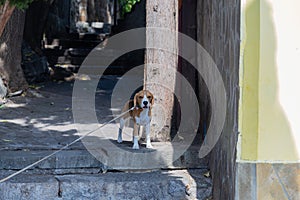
{"points": [[141, 115]]}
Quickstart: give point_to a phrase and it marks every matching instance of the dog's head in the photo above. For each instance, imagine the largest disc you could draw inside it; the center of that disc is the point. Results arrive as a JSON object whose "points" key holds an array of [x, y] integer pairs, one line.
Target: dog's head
{"points": [[143, 99]]}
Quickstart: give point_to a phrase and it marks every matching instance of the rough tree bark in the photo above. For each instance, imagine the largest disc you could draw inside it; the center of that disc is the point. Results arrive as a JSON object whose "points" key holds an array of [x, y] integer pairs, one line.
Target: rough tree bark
{"points": [[36, 17], [98, 10], [5, 12], [218, 28], [10, 52], [161, 14]]}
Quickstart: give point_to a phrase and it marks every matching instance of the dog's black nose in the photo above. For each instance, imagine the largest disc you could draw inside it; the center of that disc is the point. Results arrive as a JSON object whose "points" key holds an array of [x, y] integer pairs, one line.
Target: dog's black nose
{"points": [[145, 103]]}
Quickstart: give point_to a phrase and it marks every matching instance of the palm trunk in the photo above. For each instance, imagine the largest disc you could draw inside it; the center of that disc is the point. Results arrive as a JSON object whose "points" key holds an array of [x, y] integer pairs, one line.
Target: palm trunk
{"points": [[6, 11], [10, 52]]}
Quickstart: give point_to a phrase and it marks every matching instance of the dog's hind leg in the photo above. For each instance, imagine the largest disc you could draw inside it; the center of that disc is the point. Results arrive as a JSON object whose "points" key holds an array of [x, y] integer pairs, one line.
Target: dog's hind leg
{"points": [[148, 139], [122, 124]]}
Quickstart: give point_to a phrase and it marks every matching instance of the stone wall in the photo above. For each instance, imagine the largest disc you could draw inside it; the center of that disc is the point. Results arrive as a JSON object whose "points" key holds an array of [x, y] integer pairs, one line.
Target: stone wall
{"points": [[218, 32], [267, 181]]}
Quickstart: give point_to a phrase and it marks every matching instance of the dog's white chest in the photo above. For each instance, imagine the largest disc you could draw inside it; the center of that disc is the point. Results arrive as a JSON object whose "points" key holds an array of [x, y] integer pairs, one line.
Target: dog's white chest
{"points": [[143, 119]]}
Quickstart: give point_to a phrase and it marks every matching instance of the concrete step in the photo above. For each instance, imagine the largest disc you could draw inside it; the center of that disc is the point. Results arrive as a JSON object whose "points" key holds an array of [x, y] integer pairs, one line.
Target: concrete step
{"points": [[79, 43], [76, 56], [119, 159], [175, 184]]}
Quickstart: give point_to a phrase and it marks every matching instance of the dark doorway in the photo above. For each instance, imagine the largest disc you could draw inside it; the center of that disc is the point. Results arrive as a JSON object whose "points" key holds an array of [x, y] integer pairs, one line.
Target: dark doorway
{"points": [[187, 20]]}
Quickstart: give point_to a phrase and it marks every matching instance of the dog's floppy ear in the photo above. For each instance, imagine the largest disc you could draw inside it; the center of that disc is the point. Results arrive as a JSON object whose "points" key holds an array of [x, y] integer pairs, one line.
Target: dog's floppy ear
{"points": [[152, 99], [135, 100]]}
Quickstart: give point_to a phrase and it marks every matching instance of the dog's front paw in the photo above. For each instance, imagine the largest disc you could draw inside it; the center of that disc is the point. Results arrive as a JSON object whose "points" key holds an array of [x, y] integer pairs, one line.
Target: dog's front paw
{"points": [[119, 140], [135, 146], [149, 146], [135, 143], [120, 136]]}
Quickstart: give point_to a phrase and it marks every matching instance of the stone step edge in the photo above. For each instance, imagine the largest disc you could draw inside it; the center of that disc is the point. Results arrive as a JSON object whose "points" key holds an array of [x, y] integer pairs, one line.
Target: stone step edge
{"points": [[78, 159], [175, 184]]}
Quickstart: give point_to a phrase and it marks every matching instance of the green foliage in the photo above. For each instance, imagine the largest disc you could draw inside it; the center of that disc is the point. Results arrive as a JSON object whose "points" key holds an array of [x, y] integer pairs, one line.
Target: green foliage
{"points": [[127, 5], [21, 4]]}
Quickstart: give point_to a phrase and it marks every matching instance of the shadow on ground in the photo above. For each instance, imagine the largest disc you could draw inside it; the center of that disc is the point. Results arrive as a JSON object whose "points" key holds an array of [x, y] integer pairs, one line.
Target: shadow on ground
{"points": [[41, 122]]}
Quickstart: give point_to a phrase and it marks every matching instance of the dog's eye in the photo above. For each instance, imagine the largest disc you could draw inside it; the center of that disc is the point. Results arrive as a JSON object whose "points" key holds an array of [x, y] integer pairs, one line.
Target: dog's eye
{"points": [[140, 97], [149, 97]]}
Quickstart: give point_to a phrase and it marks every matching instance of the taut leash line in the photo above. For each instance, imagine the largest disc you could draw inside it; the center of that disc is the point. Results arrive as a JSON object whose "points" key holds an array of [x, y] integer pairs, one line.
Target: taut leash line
{"points": [[63, 148]]}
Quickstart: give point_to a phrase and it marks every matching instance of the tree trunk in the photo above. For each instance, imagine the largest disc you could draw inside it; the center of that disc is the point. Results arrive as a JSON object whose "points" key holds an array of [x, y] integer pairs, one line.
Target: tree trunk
{"points": [[5, 12], [218, 31], [91, 10], [36, 17], [161, 14], [10, 52], [98, 11]]}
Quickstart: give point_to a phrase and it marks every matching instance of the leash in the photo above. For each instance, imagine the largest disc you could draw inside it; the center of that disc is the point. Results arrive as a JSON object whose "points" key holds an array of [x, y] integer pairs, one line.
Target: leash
{"points": [[63, 148]]}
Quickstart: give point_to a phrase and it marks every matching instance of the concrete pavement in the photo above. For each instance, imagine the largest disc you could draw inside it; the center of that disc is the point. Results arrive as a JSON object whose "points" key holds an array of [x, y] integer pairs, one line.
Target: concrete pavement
{"points": [[41, 122]]}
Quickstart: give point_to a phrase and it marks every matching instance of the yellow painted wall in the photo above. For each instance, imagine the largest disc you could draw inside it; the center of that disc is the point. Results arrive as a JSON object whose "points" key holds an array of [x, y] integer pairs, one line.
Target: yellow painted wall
{"points": [[249, 72], [270, 55]]}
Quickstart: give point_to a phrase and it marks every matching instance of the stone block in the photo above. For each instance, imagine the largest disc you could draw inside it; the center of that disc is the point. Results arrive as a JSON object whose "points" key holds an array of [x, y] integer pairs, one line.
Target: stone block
{"points": [[30, 188]]}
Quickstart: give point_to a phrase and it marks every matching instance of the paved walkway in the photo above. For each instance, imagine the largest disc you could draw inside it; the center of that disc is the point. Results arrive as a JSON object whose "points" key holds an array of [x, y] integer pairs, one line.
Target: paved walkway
{"points": [[42, 122]]}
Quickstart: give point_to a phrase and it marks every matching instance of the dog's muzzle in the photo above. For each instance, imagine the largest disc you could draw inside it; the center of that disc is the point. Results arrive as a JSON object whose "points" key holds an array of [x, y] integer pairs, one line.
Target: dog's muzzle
{"points": [[145, 104]]}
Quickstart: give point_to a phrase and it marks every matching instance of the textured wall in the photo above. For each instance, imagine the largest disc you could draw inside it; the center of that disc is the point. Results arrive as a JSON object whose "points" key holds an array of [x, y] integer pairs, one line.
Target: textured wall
{"points": [[267, 181], [218, 32]]}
